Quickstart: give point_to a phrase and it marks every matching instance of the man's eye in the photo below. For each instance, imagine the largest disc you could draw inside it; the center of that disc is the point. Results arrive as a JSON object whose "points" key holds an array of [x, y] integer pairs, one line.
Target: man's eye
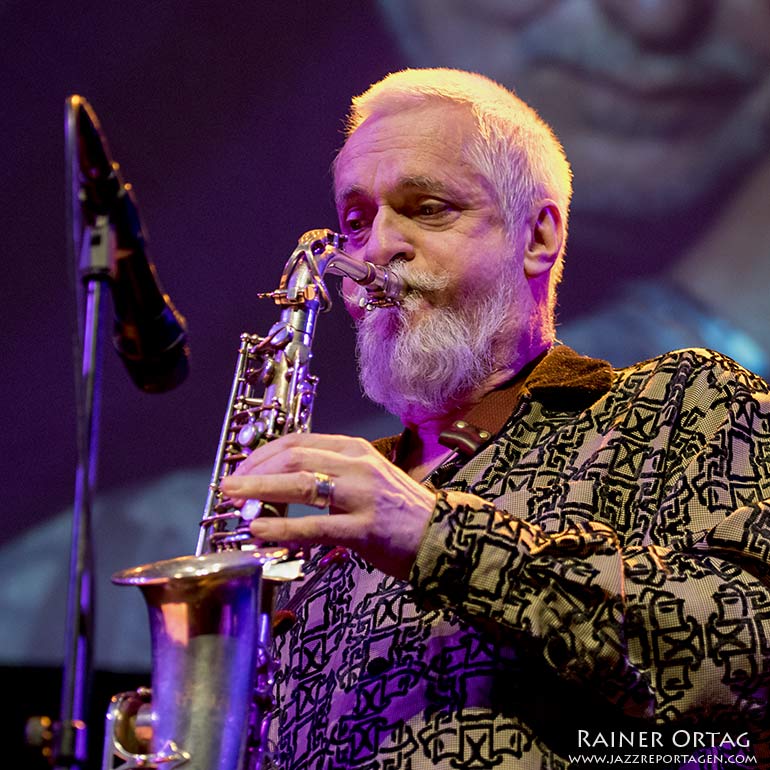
{"points": [[431, 208], [354, 222]]}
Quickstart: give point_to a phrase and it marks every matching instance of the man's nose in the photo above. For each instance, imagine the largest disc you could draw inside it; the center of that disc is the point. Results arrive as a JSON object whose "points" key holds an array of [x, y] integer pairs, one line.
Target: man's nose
{"points": [[660, 24], [388, 239]]}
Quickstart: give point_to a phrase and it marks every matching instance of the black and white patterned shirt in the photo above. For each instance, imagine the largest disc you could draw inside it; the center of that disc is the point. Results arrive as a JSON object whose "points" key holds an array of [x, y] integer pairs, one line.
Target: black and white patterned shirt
{"points": [[601, 565]]}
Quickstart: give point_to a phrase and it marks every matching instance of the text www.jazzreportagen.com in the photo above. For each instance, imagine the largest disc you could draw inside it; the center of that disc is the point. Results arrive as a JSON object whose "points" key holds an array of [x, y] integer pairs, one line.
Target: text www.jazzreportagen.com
{"points": [[668, 759]]}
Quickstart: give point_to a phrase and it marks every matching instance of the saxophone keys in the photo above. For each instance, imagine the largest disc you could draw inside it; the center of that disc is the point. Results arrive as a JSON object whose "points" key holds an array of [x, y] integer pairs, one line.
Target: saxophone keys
{"points": [[251, 509], [251, 434]]}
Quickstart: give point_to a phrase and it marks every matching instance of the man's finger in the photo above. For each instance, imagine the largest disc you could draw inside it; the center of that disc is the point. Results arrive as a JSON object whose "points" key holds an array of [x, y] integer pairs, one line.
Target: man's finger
{"points": [[273, 488], [307, 530], [345, 445], [294, 459]]}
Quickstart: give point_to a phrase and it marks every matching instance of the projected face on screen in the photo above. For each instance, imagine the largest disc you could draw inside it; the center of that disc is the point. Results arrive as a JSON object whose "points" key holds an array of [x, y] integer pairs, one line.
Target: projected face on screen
{"points": [[656, 102]]}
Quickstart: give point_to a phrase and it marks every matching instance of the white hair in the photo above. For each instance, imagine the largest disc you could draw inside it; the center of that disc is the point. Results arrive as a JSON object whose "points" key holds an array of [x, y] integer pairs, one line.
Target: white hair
{"points": [[514, 149]]}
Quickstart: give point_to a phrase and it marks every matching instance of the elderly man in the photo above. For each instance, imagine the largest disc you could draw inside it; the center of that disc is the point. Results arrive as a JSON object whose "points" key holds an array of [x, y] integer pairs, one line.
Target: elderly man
{"points": [[554, 556]]}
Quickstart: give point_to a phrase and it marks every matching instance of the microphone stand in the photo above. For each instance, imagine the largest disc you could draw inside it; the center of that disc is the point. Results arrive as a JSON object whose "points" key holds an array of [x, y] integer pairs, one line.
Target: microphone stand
{"points": [[96, 258], [102, 224]]}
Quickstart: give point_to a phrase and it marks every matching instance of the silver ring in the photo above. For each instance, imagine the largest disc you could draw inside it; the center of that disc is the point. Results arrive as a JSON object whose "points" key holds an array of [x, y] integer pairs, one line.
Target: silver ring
{"points": [[324, 488]]}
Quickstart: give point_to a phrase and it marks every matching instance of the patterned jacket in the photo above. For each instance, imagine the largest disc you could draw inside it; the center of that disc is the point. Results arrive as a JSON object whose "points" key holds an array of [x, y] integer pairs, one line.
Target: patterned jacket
{"points": [[595, 580]]}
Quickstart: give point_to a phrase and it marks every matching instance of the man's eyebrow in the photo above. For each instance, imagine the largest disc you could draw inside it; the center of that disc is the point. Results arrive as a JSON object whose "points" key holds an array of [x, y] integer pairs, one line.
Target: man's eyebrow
{"points": [[420, 183], [426, 184], [353, 191]]}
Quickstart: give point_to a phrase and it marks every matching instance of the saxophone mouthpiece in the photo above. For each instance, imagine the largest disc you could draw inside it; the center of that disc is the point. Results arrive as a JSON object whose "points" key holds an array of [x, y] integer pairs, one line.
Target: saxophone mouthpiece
{"points": [[389, 288], [384, 286]]}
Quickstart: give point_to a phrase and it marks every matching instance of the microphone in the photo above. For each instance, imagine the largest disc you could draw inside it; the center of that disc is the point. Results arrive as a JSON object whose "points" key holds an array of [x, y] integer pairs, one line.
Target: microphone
{"points": [[149, 334]]}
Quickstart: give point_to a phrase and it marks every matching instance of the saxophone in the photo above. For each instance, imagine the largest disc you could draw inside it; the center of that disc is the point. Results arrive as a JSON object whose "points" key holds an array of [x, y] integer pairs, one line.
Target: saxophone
{"points": [[211, 614]]}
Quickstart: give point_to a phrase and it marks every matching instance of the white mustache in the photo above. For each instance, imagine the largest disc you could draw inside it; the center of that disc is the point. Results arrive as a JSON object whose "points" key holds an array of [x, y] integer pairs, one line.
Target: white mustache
{"points": [[420, 282]]}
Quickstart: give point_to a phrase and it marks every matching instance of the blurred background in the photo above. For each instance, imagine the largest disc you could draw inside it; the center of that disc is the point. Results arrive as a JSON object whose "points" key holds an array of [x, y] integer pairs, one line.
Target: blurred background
{"points": [[225, 117]]}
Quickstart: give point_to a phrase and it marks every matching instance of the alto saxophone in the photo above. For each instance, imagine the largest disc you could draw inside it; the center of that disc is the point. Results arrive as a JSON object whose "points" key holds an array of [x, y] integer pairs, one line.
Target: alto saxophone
{"points": [[211, 614]]}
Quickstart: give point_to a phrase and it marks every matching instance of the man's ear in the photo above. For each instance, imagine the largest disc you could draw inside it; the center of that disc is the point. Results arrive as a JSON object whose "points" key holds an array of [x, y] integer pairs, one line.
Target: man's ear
{"points": [[544, 239]]}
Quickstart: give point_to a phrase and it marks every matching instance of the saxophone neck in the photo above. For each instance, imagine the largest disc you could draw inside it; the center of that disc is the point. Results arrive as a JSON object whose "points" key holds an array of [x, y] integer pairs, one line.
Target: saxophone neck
{"points": [[322, 251]]}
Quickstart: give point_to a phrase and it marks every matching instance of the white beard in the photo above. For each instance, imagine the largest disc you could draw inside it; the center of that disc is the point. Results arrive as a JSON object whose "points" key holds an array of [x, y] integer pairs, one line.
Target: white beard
{"points": [[428, 359]]}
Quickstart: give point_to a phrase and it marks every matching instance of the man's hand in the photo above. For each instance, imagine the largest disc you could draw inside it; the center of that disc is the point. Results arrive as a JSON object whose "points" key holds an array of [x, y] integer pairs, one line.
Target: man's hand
{"points": [[377, 510]]}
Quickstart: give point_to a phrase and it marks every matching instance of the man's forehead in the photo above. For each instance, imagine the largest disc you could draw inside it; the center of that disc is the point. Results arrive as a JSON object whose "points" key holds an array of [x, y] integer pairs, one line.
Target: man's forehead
{"points": [[436, 124], [419, 149]]}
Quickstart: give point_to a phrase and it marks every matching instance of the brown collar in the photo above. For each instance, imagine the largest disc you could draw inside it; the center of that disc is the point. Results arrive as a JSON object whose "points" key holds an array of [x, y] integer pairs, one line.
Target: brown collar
{"points": [[559, 379]]}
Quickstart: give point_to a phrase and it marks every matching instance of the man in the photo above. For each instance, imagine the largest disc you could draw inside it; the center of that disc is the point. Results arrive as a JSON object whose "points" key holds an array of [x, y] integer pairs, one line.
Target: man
{"points": [[587, 554], [663, 107]]}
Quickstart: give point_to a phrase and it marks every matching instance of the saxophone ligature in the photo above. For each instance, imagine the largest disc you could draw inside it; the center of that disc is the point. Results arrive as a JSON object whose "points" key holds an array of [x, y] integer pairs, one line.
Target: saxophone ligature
{"points": [[211, 614]]}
